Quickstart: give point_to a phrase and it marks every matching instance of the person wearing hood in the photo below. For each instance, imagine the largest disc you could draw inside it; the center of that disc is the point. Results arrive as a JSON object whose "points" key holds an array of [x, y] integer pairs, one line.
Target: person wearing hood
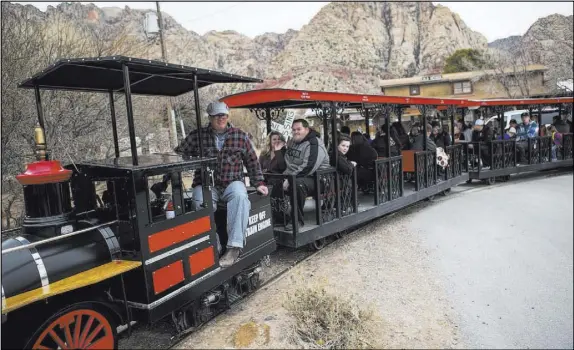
{"points": [[231, 149], [305, 155], [364, 156]]}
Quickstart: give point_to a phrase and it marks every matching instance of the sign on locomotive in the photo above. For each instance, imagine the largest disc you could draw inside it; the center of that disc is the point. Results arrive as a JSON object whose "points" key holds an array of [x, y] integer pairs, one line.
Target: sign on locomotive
{"points": [[84, 263]]}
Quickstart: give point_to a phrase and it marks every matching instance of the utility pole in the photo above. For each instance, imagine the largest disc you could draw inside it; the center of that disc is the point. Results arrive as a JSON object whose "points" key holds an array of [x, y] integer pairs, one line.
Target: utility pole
{"points": [[170, 111]]}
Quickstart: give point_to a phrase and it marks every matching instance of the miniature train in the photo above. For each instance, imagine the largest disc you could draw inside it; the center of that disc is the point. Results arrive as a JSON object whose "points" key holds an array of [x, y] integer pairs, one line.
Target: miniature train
{"points": [[84, 264]]}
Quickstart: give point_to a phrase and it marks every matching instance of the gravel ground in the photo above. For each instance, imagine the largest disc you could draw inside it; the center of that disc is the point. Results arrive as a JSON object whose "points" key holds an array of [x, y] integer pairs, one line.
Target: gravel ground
{"points": [[382, 266]]}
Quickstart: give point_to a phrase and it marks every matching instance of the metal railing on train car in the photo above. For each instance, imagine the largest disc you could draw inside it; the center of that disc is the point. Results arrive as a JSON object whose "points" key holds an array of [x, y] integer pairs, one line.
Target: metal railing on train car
{"points": [[503, 154], [389, 181], [455, 161], [425, 169]]}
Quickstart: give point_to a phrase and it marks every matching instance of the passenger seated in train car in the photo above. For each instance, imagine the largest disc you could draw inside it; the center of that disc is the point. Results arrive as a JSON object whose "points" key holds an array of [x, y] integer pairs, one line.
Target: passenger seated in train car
{"points": [[346, 130], [268, 158], [380, 142], [560, 124], [305, 154], [364, 155], [512, 124], [509, 134], [418, 139], [435, 136], [344, 165], [528, 129], [482, 133], [458, 135], [431, 146], [556, 141], [447, 137], [233, 149], [402, 135]]}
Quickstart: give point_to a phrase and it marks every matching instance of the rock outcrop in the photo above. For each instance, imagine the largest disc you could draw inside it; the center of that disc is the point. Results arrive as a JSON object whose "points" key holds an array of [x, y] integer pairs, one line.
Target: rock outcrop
{"points": [[549, 41]]}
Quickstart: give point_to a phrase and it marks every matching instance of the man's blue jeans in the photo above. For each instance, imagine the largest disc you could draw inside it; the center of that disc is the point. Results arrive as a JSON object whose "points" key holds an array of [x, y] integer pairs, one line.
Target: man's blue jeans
{"points": [[238, 207]]}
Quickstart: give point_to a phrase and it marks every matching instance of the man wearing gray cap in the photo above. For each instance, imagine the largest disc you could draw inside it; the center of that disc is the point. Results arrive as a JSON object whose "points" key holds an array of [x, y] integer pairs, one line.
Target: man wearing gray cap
{"points": [[232, 149]]}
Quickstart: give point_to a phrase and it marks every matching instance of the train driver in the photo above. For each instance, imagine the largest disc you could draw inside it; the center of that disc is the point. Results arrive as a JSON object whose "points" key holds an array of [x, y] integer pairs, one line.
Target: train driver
{"points": [[233, 149]]}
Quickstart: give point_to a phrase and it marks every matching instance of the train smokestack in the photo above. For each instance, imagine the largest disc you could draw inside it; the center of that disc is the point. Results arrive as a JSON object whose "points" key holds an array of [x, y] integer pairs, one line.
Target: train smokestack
{"points": [[46, 192]]}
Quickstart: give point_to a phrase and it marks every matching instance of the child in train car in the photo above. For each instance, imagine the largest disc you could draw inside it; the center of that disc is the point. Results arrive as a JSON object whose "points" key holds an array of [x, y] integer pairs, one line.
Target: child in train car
{"points": [[232, 149], [344, 165]]}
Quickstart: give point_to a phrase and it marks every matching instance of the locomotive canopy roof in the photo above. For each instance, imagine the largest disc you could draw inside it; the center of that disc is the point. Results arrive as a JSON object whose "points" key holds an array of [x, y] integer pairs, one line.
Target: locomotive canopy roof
{"points": [[147, 77], [286, 98], [146, 162]]}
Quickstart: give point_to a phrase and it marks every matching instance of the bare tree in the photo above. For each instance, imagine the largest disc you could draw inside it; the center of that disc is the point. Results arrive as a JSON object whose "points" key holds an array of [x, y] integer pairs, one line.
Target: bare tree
{"points": [[77, 124]]}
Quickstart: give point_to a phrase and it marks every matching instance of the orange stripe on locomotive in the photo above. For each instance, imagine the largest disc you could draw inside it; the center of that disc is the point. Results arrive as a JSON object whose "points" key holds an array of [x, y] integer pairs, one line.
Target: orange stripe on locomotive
{"points": [[166, 238], [201, 260], [167, 276]]}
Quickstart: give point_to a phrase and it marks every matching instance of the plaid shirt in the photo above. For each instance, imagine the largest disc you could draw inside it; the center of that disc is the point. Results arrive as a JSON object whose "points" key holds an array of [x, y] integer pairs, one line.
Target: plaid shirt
{"points": [[237, 150]]}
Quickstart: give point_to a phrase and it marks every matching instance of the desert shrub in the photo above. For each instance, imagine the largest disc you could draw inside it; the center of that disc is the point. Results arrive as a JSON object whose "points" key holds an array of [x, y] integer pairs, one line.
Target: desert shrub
{"points": [[326, 321]]}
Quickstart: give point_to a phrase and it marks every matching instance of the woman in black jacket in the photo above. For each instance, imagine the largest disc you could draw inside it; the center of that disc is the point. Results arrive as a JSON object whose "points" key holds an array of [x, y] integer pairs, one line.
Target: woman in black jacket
{"points": [[364, 155]]}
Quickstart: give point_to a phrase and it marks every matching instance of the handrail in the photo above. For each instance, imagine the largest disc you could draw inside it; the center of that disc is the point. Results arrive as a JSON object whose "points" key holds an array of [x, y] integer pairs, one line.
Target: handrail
{"points": [[57, 238]]}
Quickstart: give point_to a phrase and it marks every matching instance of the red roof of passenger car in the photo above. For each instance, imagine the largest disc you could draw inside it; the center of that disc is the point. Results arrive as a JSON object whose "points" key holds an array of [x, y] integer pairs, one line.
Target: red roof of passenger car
{"points": [[519, 102], [305, 99]]}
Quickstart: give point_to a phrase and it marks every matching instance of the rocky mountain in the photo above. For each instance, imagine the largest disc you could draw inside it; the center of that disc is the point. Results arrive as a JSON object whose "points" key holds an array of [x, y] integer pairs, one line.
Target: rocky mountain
{"points": [[506, 44], [549, 41], [347, 46]]}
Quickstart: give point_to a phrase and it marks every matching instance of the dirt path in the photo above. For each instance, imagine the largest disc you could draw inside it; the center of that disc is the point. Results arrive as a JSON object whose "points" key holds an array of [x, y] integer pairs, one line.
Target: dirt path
{"points": [[383, 266]]}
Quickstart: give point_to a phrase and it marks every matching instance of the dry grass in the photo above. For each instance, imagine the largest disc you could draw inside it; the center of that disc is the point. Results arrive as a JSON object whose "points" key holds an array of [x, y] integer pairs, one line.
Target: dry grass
{"points": [[327, 321]]}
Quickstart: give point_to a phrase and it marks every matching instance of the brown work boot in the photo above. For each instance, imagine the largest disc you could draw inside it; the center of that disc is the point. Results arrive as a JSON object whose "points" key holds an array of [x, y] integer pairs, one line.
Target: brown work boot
{"points": [[230, 257]]}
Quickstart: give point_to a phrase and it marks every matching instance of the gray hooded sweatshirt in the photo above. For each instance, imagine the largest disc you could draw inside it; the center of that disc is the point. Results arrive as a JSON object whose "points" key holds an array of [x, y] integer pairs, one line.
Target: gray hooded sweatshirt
{"points": [[306, 157]]}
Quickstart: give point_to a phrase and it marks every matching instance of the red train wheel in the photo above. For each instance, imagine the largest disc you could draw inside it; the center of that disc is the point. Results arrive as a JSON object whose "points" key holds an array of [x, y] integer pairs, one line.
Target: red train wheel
{"points": [[80, 328]]}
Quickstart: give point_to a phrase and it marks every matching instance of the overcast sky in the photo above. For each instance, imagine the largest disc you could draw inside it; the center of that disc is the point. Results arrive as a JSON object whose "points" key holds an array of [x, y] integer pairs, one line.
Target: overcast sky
{"points": [[494, 20]]}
